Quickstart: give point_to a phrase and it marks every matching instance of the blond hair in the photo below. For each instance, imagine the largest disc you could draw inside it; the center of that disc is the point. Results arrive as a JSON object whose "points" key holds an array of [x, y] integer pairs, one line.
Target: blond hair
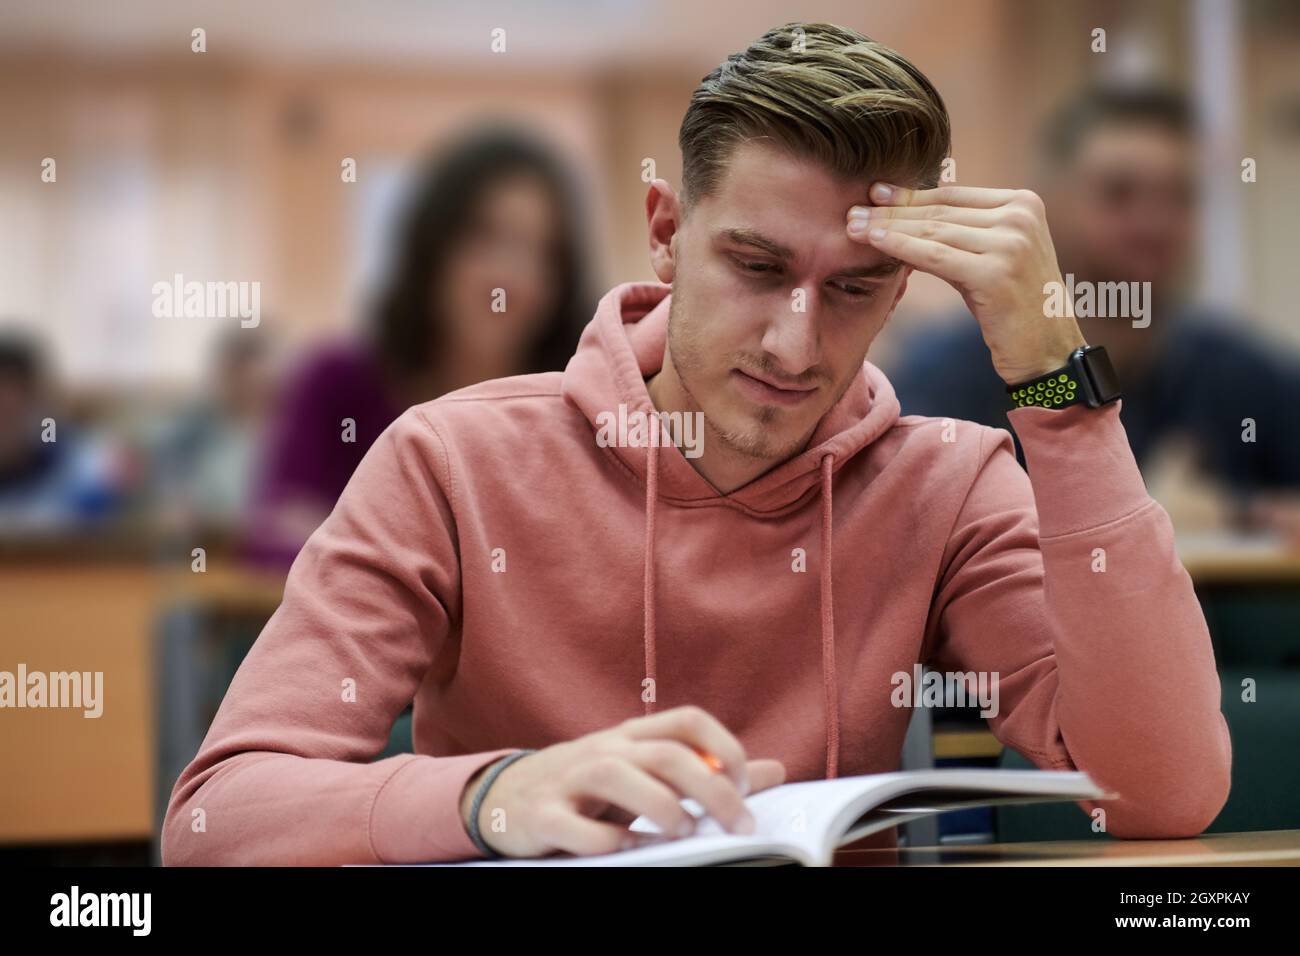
{"points": [[823, 92]]}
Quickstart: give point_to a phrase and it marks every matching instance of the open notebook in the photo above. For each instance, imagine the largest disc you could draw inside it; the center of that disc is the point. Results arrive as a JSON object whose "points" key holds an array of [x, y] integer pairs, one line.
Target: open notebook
{"points": [[805, 822]]}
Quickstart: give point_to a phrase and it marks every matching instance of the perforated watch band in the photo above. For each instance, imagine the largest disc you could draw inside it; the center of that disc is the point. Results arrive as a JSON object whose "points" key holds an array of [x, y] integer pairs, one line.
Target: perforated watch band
{"points": [[1050, 391], [1087, 378]]}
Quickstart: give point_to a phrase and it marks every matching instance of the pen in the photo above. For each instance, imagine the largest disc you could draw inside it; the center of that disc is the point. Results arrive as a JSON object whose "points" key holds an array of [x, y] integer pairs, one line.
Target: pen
{"points": [[711, 759]]}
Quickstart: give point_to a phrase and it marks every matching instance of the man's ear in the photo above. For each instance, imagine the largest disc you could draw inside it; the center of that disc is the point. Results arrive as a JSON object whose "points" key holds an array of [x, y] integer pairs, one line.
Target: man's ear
{"points": [[663, 217]]}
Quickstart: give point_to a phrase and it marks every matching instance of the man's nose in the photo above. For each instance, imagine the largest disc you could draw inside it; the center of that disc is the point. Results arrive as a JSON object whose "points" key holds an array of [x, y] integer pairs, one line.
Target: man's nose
{"points": [[792, 336]]}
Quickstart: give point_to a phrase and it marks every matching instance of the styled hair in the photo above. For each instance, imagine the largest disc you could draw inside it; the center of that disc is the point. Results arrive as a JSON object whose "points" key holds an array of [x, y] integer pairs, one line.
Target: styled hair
{"points": [[823, 92], [1113, 105]]}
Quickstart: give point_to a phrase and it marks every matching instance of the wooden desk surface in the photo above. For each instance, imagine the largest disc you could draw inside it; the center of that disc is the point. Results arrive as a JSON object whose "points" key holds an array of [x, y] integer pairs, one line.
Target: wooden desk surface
{"points": [[1225, 559], [69, 778], [1259, 848]]}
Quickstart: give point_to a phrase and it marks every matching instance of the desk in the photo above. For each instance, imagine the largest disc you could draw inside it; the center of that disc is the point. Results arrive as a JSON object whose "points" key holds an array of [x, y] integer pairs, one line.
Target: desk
{"points": [[1260, 848], [1216, 559], [67, 778]]}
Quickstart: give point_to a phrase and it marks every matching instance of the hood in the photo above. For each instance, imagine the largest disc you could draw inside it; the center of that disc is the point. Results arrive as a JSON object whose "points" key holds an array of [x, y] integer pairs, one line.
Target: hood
{"points": [[621, 347]]}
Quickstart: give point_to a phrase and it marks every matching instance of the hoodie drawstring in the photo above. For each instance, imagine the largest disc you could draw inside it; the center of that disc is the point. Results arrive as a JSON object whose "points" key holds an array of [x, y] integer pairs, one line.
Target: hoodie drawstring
{"points": [[830, 684], [651, 493]]}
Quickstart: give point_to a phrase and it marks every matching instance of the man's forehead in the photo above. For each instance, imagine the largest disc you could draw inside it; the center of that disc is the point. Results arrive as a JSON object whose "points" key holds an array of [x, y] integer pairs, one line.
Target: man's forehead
{"points": [[1126, 146], [790, 206]]}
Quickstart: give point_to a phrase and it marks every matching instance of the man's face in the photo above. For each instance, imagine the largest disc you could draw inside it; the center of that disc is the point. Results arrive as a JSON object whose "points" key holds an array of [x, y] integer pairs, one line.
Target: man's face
{"points": [[1125, 205], [18, 401], [773, 306]]}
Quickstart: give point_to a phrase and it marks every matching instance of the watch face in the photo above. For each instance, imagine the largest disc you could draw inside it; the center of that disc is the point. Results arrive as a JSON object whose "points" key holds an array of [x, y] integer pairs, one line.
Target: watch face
{"points": [[1101, 374]]}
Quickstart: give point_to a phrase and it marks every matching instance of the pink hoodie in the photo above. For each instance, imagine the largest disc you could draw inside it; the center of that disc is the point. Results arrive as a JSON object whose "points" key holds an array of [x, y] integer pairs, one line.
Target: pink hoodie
{"points": [[491, 561]]}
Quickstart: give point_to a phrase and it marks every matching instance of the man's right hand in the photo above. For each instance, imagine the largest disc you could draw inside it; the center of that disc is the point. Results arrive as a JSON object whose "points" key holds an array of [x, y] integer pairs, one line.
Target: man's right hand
{"points": [[578, 796]]}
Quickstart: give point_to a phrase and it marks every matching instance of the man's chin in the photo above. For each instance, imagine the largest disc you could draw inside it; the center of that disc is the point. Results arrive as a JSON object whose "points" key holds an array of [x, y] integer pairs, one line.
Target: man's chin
{"points": [[765, 435]]}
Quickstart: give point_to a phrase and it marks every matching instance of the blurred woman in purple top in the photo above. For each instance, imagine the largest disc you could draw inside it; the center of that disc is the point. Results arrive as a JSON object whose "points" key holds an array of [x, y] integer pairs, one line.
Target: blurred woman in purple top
{"points": [[498, 211]]}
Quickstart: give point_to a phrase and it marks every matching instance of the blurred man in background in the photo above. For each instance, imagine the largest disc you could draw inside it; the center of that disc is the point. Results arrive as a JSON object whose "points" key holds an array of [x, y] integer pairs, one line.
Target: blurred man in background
{"points": [[204, 458], [53, 479], [1119, 186]]}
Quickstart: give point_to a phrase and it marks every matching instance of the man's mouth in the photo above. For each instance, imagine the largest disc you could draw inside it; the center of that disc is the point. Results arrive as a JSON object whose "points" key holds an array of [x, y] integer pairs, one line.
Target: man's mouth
{"points": [[767, 392]]}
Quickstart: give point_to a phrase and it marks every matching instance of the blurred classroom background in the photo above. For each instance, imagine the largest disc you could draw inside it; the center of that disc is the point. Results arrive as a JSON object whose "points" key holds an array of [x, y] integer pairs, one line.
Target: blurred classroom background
{"points": [[368, 169]]}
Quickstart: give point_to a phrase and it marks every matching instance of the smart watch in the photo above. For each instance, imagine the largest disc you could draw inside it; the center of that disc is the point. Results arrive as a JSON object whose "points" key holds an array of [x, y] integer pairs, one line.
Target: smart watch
{"points": [[1087, 378]]}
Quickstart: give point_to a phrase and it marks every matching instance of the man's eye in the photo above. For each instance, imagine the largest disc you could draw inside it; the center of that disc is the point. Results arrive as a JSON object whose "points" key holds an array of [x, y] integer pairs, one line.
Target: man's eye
{"points": [[756, 268], [857, 291]]}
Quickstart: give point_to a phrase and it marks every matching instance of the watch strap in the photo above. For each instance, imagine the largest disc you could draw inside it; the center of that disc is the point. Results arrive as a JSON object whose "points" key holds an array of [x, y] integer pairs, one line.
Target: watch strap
{"points": [[1056, 389], [1087, 378]]}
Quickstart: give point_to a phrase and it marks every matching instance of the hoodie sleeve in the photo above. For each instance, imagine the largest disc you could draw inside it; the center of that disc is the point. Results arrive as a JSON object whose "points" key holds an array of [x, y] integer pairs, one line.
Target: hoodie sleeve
{"points": [[1083, 610], [285, 775]]}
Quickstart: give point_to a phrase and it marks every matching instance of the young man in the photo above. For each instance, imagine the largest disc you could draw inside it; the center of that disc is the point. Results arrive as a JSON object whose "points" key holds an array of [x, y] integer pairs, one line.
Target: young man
{"points": [[530, 564]]}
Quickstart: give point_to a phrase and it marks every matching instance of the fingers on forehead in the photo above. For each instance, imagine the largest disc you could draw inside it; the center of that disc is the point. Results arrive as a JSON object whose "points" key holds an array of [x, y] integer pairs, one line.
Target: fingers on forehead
{"points": [[969, 196]]}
